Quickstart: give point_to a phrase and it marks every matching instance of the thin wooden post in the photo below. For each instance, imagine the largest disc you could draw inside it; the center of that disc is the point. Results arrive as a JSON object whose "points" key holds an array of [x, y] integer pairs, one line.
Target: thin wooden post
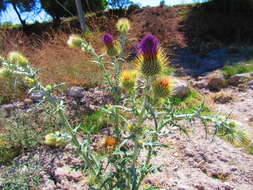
{"points": [[80, 14]]}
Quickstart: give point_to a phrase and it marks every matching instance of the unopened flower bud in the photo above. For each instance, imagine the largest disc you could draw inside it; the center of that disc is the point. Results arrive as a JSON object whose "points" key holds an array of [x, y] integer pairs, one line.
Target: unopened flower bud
{"points": [[75, 41], [151, 59], [123, 25], [128, 79], [162, 87], [111, 45], [110, 141], [18, 59]]}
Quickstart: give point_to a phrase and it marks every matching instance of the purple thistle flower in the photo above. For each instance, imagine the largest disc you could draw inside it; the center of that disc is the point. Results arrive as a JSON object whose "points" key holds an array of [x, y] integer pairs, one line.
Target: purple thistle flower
{"points": [[149, 46], [108, 39]]}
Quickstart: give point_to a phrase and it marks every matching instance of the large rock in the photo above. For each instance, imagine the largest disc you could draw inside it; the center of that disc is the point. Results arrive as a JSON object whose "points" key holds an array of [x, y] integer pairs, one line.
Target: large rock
{"points": [[216, 81], [239, 78], [180, 88], [75, 92]]}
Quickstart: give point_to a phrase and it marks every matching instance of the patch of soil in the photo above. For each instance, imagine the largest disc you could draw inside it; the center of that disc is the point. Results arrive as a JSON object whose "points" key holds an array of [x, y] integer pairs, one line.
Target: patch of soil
{"points": [[196, 163], [240, 108]]}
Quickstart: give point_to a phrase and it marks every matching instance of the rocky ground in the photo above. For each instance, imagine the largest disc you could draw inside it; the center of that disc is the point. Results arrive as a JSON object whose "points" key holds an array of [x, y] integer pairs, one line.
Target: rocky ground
{"points": [[199, 164], [194, 163]]}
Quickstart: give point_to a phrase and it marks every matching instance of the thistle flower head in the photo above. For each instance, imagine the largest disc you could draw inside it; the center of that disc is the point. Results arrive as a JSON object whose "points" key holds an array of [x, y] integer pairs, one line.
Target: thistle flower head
{"points": [[16, 58], [123, 25], [151, 59], [162, 87], [75, 41], [112, 46], [149, 46], [128, 79], [108, 39]]}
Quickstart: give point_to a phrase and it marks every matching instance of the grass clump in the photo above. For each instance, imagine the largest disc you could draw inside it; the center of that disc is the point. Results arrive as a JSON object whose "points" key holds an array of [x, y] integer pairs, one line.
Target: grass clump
{"points": [[190, 103], [93, 123], [222, 97], [231, 70]]}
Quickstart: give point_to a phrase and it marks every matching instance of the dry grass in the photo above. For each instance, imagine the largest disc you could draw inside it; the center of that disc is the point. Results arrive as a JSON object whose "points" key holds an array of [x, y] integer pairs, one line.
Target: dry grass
{"points": [[222, 97], [56, 62]]}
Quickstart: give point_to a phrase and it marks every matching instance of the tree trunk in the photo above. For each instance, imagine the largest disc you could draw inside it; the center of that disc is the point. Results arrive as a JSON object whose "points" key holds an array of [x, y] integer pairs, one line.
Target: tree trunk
{"points": [[80, 15], [19, 16]]}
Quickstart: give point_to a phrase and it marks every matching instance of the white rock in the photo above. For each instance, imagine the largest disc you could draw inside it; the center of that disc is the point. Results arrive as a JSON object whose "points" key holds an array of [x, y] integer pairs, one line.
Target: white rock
{"points": [[180, 88]]}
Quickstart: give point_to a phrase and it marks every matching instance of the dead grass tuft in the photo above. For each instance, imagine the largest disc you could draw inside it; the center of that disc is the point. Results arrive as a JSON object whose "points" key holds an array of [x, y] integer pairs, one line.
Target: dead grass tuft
{"points": [[222, 97]]}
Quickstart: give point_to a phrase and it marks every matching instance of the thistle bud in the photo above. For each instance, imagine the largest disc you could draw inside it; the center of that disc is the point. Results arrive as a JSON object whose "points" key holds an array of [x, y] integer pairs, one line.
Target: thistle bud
{"points": [[128, 79], [55, 139], [123, 25], [29, 81], [75, 41], [162, 87], [110, 142], [151, 59], [16, 58], [111, 45]]}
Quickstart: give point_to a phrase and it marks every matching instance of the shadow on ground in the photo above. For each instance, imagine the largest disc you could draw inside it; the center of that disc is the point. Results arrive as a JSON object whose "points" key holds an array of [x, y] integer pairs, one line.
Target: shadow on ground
{"points": [[200, 64]]}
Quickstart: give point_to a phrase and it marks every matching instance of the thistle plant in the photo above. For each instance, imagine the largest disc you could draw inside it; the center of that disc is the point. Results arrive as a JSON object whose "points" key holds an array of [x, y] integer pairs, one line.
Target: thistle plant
{"points": [[122, 159], [114, 50]]}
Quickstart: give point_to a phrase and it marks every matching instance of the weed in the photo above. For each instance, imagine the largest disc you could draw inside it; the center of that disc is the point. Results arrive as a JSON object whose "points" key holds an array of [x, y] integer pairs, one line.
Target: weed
{"points": [[190, 103], [93, 123], [25, 131]]}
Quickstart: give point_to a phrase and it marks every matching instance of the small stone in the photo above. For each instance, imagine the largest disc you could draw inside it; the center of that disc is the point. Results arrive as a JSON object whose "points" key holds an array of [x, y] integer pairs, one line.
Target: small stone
{"points": [[28, 101], [75, 92], [36, 95]]}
